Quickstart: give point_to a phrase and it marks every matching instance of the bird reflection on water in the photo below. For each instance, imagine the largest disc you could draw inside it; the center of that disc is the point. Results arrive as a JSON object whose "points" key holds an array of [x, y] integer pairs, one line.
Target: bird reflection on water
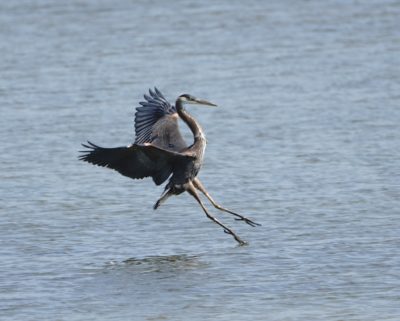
{"points": [[160, 263]]}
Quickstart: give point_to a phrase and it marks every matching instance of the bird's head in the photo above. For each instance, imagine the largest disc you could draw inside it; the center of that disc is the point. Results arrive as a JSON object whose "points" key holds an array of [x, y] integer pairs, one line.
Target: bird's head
{"points": [[189, 99]]}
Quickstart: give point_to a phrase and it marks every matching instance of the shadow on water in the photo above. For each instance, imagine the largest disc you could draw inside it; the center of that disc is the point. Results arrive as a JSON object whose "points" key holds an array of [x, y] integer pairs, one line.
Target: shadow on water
{"points": [[158, 264]]}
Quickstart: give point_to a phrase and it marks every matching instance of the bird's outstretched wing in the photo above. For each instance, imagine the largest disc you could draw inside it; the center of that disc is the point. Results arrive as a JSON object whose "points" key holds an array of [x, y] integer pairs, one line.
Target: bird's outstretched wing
{"points": [[156, 122], [134, 161]]}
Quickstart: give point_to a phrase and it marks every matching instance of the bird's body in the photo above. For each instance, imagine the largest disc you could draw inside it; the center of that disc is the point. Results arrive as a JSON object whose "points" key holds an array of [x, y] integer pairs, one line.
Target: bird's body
{"points": [[186, 170], [161, 152]]}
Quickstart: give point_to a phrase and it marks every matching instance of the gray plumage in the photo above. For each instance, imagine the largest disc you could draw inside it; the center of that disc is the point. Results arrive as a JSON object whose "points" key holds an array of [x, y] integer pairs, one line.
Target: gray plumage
{"points": [[160, 152]]}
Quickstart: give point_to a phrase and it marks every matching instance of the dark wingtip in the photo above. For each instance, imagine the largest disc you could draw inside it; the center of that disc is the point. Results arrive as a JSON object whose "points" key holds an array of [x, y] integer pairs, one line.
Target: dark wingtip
{"points": [[90, 147], [159, 93]]}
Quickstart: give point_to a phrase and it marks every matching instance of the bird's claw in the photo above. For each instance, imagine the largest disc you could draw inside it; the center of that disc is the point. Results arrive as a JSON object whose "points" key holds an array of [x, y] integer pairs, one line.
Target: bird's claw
{"points": [[237, 238], [248, 221]]}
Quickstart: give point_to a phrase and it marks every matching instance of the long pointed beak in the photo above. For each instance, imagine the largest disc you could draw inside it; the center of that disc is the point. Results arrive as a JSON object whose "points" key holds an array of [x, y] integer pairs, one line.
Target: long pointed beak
{"points": [[204, 102]]}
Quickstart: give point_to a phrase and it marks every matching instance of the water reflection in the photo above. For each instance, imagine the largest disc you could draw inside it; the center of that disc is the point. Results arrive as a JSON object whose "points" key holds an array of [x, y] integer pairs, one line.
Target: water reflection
{"points": [[159, 263]]}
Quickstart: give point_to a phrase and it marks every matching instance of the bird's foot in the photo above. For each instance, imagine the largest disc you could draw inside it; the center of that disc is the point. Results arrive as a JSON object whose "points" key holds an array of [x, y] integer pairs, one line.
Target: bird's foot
{"points": [[248, 221], [237, 238]]}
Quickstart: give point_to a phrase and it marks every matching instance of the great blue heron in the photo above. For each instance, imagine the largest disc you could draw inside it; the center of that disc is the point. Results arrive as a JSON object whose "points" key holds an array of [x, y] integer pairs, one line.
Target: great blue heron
{"points": [[160, 150]]}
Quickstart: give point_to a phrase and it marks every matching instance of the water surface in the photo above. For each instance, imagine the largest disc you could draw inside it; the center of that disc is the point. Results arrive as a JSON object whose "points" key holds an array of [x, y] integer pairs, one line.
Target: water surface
{"points": [[305, 141]]}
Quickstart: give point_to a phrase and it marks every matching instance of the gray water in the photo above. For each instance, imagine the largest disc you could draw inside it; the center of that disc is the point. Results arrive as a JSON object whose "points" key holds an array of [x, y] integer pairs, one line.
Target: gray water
{"points": [[305, 141]]}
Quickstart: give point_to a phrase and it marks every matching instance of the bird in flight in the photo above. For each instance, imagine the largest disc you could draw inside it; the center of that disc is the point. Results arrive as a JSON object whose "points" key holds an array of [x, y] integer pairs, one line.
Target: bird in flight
{"points": [[160, 152]]}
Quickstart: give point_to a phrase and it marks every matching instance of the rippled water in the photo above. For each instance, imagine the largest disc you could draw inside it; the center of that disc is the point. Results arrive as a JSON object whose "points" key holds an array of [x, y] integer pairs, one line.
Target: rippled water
{"points": [[306, 142]]}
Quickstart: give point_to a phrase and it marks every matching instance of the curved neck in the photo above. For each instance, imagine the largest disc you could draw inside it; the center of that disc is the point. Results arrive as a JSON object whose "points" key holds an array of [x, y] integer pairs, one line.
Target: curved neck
{"points": [[190, 121]]}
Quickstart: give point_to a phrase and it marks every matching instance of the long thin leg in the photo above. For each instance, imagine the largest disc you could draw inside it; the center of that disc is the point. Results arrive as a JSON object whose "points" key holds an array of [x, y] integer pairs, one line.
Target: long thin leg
{"points": [[200, 187], [192, 191], [163, 198]]}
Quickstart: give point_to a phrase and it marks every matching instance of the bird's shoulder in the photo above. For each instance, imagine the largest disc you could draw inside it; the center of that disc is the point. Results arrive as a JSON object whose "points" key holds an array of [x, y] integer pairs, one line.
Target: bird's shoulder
{"points": [[166, 133]]}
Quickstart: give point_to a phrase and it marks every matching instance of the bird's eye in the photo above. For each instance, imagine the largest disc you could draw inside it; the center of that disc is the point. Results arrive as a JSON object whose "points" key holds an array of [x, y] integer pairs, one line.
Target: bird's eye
{"points": [[171, 145]]}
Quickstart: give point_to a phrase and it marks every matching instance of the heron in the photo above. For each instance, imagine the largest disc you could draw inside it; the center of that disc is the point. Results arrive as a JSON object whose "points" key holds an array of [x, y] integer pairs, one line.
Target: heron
{"points": [[160, 152]]}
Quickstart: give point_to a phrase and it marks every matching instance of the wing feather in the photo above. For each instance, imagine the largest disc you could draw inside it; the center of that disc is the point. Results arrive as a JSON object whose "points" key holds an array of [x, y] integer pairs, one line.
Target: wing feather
{"points": [[166, 134], [135, 161], [156, 122], [154, 108], [158, 145]]}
